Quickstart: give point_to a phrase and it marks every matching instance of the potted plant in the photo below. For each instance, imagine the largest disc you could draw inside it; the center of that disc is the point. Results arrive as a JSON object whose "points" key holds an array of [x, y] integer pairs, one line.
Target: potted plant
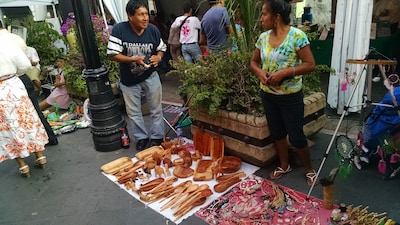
{"points": [[74, 81], [225, 97]]}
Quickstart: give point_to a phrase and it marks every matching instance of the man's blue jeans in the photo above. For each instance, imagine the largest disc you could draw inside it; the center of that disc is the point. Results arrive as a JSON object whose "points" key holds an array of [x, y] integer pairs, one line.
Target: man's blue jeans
{"points": [[151, 89], [191, 52]]}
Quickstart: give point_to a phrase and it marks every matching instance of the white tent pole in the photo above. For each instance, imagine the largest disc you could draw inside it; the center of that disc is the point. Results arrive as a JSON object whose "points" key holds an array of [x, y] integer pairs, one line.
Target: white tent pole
{"points": [[103, 13], [55, 12]]}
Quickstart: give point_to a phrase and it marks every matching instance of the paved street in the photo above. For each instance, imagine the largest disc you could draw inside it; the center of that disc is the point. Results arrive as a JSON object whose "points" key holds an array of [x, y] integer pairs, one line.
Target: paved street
{"points": [[73, 191]]}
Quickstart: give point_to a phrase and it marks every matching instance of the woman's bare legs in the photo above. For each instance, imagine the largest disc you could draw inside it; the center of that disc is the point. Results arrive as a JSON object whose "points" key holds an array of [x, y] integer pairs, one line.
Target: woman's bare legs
{"points": [[23, 168], [40, 160], [281, 147]]}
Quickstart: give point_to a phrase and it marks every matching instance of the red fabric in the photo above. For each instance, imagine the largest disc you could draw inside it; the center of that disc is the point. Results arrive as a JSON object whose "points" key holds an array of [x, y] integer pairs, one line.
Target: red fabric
{"points": [[239, 207]]}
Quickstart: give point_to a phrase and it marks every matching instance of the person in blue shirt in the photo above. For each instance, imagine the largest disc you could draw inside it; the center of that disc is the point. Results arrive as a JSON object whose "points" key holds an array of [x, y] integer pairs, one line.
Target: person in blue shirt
{"points": [[138, 47], [215, 27]]}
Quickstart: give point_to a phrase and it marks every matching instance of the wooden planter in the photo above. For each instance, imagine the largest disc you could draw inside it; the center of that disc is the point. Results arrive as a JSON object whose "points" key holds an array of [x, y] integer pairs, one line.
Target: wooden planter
{"points": [[248, 136]]}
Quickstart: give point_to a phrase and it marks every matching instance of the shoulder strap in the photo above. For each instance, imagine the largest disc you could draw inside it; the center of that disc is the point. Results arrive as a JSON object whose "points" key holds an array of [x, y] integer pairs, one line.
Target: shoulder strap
{"points": [[183, 22]]}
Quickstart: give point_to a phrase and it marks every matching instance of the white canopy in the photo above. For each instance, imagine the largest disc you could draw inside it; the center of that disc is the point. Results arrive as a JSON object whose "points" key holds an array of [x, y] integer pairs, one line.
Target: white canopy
{"points": [[117, 9], [351, 41], [19, 3]]}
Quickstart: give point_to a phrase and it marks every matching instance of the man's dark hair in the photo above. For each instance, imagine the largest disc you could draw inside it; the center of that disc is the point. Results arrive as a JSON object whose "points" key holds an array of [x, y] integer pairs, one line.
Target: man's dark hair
{"points": [[133, 5]]}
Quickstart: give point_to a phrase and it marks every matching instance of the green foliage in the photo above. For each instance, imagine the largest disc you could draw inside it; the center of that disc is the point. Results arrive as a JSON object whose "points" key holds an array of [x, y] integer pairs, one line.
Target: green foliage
{"points": [[74, 81], [224, 81], [246, 13], [221, 82], [312, 81], [41, 36]]}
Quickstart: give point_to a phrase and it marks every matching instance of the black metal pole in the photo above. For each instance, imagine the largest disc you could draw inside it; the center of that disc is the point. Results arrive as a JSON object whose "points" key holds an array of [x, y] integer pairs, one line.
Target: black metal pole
{"points": [[86, 34], [107, 121]]}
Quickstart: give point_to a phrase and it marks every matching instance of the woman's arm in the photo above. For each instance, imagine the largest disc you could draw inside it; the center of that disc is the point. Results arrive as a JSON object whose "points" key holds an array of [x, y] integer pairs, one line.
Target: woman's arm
{"points": [[255, 67], [307, 61]]}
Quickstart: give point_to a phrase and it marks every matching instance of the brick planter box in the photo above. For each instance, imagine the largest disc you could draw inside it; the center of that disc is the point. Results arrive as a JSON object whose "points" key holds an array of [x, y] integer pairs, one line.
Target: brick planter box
{"points": [[248, 136]]}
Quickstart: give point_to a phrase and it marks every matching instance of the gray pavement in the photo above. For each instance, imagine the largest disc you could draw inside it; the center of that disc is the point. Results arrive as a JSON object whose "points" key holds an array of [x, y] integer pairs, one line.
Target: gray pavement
{"points": [[73, 191]]}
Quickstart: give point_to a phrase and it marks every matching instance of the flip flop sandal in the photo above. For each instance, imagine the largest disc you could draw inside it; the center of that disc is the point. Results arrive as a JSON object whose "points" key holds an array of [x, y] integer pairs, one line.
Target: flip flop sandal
{"points": [[311, 176], [279, 172]]}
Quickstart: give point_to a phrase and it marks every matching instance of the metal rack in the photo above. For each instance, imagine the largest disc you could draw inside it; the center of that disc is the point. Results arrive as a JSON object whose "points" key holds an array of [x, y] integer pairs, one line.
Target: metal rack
{"points": [[368, 65]]}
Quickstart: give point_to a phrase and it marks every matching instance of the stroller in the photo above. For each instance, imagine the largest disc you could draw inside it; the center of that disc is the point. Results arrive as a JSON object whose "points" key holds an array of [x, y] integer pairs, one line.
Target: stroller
{"points": [[381, 136]]}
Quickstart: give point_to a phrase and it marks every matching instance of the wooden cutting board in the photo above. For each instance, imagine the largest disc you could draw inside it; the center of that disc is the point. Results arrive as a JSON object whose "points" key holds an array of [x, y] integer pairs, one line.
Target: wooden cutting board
{"points": [[116, 165], [203, 170]]}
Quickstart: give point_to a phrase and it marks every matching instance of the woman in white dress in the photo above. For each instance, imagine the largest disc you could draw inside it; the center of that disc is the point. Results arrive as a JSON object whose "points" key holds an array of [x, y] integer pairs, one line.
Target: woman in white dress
{"points": [[21, 131]]}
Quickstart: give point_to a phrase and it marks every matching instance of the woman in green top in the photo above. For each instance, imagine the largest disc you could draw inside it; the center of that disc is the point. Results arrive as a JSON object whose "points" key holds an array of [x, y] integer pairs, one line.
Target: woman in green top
{"points": [[281, 56]]}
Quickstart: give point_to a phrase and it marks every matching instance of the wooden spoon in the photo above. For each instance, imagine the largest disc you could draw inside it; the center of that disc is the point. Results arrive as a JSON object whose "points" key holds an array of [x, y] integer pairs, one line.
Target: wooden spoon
{"points": [[223, 178], [171, 190], [187, 206], [180, 189], [163, 185], [200, 201], [190, 189], [191, 195], [151, 184], [221, 187]]}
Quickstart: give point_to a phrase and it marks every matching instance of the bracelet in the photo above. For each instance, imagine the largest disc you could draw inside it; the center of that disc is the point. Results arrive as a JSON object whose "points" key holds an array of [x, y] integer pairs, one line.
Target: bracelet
{"points": [[294, 71]]}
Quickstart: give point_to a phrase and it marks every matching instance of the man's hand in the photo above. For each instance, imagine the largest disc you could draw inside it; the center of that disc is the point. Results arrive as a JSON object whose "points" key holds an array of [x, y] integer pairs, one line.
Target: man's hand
{"points": [[155, 60]]}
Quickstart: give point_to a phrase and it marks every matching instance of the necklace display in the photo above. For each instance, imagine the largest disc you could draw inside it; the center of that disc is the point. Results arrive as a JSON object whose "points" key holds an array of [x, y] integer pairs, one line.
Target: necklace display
{"points": [[259, 201]]}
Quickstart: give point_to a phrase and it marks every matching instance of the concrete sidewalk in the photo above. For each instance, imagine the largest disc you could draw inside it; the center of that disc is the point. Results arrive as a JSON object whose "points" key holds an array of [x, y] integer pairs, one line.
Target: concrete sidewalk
{"points": [[72, 189]]}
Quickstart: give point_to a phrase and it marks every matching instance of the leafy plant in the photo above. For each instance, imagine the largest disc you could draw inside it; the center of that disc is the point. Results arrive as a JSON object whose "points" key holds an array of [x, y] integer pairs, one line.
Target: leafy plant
{"points": [[74, 81], [245, 13], [41, 36], [224, 81], [220, 82], [312, 80]]}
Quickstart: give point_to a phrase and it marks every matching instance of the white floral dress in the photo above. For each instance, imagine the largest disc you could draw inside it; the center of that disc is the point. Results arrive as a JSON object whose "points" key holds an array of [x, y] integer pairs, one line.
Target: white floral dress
{"points": [[21, 131]]}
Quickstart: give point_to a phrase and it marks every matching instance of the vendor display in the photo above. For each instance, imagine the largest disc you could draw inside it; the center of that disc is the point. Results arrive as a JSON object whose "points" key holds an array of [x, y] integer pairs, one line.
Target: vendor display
{"points": [[176, 178], [256, 200]]}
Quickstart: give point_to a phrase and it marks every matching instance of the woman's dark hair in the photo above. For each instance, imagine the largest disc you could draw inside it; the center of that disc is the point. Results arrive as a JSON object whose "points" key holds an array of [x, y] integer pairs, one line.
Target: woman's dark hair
{"points": [[133, 5], [186, 7], [281, 7]]}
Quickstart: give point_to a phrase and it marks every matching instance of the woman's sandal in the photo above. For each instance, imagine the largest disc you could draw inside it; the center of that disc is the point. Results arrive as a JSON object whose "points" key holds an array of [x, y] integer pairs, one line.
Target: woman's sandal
{"points": [[279, 172], [25, 171], [311, 176], [41, 162]]}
